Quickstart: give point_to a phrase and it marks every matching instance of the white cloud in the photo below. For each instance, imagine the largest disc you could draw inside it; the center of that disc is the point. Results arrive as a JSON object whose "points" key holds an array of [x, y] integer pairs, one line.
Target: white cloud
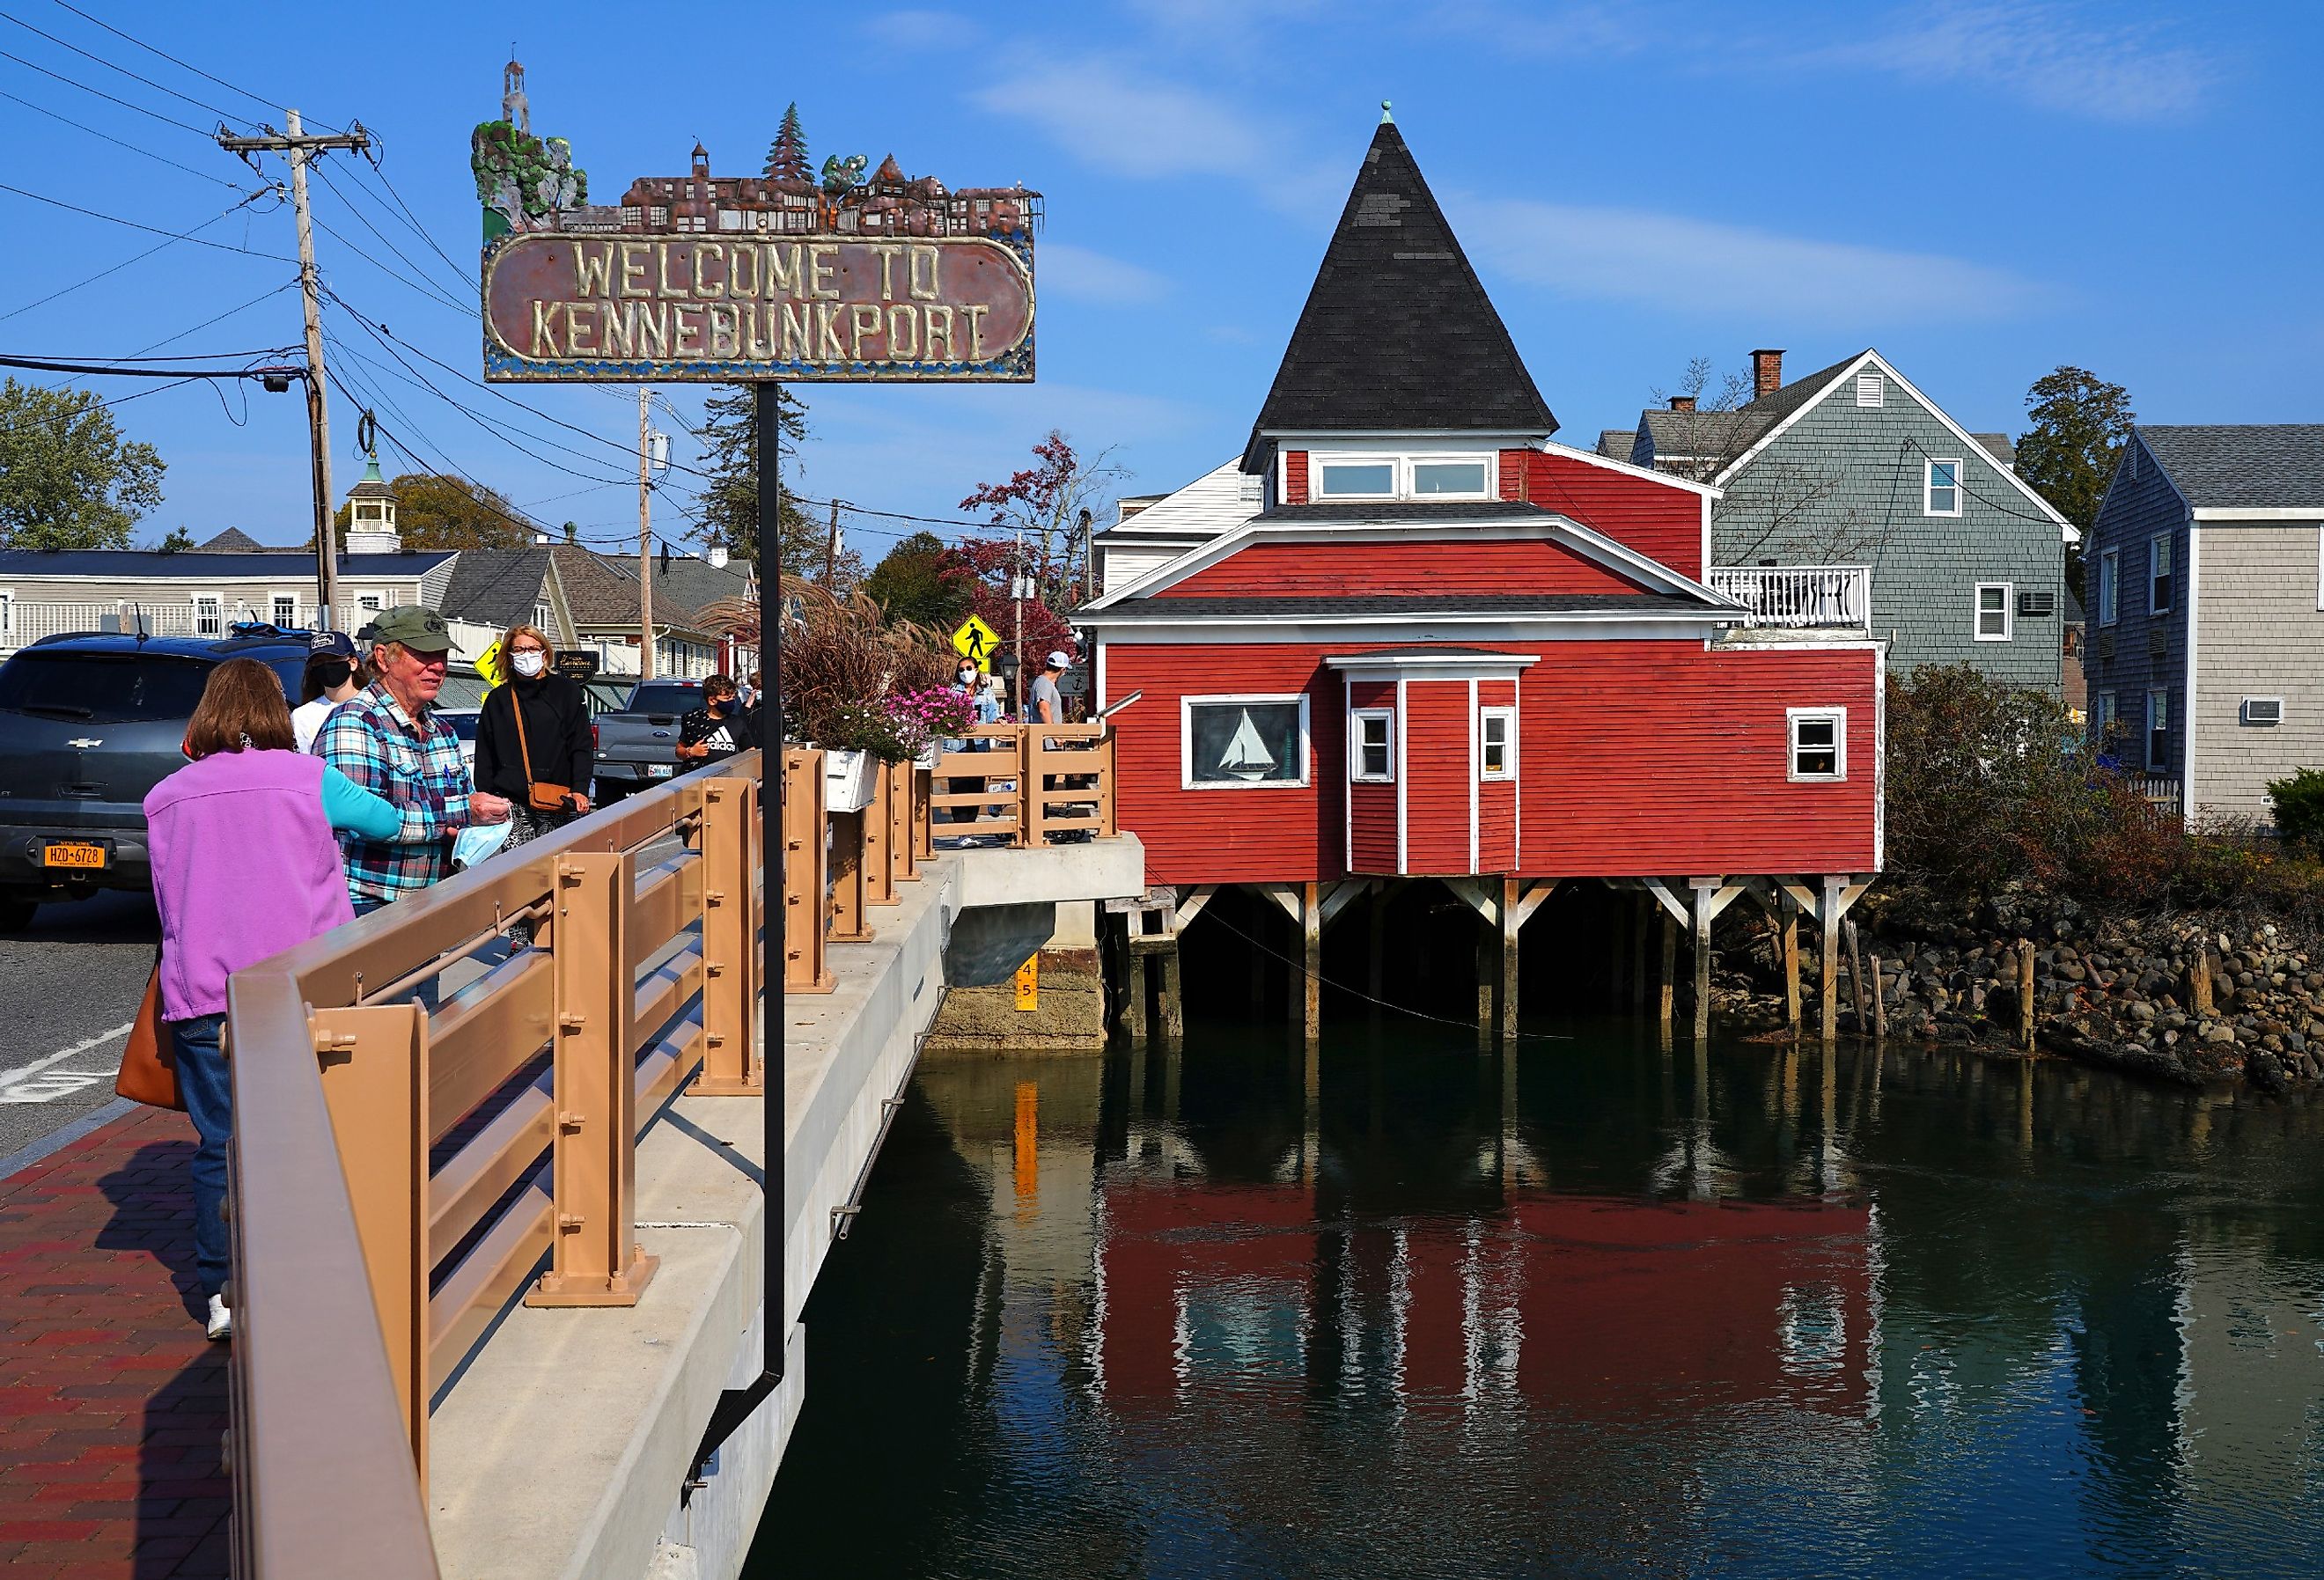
{"points": [[924, 30], [1130, 125], [1084, 275], [1683, 264], [2059, 56]]}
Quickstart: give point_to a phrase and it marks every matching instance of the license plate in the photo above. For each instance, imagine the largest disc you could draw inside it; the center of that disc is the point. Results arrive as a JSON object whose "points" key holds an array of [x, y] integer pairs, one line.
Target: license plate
{"points": [[73, 852], [660, 770]]}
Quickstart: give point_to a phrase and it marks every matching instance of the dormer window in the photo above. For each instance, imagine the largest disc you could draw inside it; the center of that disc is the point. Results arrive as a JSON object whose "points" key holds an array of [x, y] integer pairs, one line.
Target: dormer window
{"points": [[1421, 476]]}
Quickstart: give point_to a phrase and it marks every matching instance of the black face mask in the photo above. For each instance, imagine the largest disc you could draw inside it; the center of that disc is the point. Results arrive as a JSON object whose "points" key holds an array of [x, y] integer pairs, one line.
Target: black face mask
{"points": [[334, 676]]}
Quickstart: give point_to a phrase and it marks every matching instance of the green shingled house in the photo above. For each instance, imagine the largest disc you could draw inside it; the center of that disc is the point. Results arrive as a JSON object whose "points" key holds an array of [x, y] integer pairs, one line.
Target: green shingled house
{"points": [[1848, 498]]}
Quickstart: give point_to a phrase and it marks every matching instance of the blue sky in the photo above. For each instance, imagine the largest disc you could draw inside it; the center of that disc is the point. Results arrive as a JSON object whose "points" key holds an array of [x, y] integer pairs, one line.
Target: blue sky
{"points": [[1981, 191]]}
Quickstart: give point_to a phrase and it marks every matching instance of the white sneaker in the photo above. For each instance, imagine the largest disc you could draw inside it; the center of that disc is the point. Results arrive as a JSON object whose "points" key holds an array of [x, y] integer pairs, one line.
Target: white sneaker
{"points": [[221, 1321]]}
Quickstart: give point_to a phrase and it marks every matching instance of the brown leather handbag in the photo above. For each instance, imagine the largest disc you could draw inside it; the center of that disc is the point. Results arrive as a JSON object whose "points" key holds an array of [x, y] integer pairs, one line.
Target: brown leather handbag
{"points": [[149, 1074], [540, 795]]}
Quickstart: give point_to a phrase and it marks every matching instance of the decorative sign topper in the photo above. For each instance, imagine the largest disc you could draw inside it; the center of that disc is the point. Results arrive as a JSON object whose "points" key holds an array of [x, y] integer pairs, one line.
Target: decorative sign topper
{"points": [[733, 279]]}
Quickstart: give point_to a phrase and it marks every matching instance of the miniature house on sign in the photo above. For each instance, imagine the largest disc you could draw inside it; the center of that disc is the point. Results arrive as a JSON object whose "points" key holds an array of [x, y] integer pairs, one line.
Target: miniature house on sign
{"points": [[1444, 646]]}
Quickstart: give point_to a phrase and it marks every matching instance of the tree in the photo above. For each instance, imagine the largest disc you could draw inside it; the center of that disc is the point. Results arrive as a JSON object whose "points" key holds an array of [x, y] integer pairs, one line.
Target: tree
{"points": [[67, 478], [177, 542], [730, 498], [1774, 508], [1048, 511], [787, 158], [922, 581], [434, 512], [2079, 424]]}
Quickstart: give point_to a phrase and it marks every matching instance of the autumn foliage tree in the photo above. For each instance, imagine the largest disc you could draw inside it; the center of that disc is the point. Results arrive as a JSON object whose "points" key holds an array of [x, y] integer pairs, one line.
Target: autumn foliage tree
{"points": [[1043, 517]]}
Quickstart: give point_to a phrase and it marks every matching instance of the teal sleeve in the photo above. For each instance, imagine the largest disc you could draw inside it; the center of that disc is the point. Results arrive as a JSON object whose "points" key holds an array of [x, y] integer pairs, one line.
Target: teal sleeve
{"points": [[354, 809]]}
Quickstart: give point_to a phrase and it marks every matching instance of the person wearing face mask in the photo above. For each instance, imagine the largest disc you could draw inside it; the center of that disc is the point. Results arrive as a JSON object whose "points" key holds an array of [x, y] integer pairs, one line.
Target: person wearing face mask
{"points": [[718, 728], [334, 674], [532, 740]]}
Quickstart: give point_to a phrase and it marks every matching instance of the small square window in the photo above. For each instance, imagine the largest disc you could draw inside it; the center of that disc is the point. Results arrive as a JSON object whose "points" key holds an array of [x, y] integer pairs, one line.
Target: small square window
{"points": [[1496, 743], [1994, 618], [1944, 489], [209, 619], [1871, 390], [1372, 747], [1355, 480], [1818, 744], [285, 611]]}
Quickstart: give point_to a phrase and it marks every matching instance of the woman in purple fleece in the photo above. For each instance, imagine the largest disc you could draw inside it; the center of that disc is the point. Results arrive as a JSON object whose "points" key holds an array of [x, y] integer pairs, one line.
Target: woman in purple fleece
{"points": [[244, 866]]}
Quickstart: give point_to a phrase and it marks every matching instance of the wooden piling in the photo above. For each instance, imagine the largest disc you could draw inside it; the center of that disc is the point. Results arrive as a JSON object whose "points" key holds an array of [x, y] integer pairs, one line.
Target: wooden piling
{"points": [[1311, 928], [1701, 963], [1828, 949], [2026, 995], [1173, 1003], [1668, 982], [1880, 1003], [1790, 913], [2198, 983], [1855, 973], [1511, 928]]}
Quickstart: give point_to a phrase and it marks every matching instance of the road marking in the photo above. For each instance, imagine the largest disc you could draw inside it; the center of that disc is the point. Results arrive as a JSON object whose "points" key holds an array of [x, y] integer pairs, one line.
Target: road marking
{"points": [[25, 1083]]}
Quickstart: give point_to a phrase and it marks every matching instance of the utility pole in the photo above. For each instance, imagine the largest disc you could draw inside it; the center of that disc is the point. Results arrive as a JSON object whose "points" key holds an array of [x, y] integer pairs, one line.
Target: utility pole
{"points": [[830, 546], [645, 538], [299, 148], [1017, 602]]}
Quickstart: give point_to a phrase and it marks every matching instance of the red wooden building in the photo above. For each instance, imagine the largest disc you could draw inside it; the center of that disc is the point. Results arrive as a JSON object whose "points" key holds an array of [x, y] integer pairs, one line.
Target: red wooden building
{"points": [[1442, 645]]}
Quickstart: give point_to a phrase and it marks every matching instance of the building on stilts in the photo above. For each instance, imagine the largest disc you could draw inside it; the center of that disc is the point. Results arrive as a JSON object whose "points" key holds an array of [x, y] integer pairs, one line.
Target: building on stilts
{"points": [[1422, 641]]}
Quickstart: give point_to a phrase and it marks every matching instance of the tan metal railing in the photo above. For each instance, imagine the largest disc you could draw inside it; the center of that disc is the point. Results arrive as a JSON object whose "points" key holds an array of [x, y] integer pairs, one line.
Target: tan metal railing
{"points": [[397, 1174]]}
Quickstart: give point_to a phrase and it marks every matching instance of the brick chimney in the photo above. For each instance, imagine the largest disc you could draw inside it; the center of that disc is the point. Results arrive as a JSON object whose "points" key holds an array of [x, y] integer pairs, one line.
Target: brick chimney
{"points": [[1682, 402], [1766, 373]]}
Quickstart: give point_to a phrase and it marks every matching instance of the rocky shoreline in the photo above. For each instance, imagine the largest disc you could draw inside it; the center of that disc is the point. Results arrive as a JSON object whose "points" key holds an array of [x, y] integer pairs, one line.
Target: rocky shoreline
{"points": [[2188, 999]]}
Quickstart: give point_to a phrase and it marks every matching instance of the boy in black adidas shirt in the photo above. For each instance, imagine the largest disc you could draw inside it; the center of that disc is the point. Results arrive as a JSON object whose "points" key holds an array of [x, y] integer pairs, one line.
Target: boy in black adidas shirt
{"points": [[716, 730]]}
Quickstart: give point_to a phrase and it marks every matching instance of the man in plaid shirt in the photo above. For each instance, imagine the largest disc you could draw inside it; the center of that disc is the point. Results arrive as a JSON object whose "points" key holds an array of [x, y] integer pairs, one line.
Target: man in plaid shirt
{"points": [[385, 740]]}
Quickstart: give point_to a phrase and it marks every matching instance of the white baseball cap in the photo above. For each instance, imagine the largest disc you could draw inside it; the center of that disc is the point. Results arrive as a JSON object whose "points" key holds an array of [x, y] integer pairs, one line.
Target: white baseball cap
{"points": [[1058, 660]]}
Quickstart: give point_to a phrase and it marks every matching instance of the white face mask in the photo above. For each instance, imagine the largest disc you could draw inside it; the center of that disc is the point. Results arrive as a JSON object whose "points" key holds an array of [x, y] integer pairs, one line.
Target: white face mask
{"points": [[528, 664]]}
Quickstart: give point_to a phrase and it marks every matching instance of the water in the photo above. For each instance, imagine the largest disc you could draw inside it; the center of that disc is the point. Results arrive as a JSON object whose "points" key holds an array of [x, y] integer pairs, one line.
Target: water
{"points": [[1406, 1311]]}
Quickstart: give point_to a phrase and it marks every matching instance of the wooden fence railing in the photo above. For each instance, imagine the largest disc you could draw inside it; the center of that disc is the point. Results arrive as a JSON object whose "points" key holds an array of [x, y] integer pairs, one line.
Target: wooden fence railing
{"points": [[399, 1173], [1026, 784]]}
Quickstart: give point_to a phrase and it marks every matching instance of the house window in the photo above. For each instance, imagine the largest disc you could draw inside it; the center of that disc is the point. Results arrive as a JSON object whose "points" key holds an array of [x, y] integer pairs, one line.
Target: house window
{"points": [[2108, 719], [1355, 480], [1818, 744], [1944, 489], [2110, 586], [368, 603], [7, 619], [2158, 730], [540, 618], [2158, 574], [1496, 743], [1232, 742], [208, 618], [286, 611], [1871, 389], [1994, 619], [1371, 743], [1461, 479]]}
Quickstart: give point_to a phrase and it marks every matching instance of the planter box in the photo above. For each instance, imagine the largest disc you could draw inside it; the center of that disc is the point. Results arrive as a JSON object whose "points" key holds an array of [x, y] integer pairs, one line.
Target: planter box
{"points": [[849, 778]]}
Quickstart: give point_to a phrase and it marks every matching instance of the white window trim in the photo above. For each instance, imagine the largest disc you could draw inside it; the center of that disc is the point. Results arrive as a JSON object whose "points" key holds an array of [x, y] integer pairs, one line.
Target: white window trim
{"points": [[1793, 718], [1878, 386], [1929, 486], [2110, 587], [2163, 540], [7, 617], [1186, 780], [2009, 591], [217, 602], [1356, 774], [280, 593], [2244, 713], [1509, 769], [2320, 566], [1400, 464], [2158, 699]]}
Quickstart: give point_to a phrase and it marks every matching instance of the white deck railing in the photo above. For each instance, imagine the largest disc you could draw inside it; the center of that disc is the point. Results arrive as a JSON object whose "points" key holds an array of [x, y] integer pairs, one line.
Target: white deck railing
{"points": [[1799, 595], [25, 620]]}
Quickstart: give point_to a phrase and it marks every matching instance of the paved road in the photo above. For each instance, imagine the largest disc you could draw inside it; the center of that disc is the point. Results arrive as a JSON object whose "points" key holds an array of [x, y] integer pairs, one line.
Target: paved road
{"points": [[68, 985]]}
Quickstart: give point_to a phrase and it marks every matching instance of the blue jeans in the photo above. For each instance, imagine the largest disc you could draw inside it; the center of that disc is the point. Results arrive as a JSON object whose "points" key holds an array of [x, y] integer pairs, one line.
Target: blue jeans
{"points": [[208, 1086], [425, 994]]}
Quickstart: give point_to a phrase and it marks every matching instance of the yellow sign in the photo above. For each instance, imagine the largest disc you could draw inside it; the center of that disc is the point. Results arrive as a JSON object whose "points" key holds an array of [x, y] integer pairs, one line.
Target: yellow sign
{"points": [[492, 666], [975, 640], [1029, 985]]}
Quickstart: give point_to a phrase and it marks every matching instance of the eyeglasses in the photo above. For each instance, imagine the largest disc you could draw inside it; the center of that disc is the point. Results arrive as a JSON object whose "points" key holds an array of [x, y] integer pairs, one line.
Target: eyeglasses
{"points": [[514, 651]]}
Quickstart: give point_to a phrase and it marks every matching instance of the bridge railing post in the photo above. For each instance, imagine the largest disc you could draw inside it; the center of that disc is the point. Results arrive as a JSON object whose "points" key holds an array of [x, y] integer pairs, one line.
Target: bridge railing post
{"points": [[807, 885], [879, 819], [903, 819], [594, 1259], [730, 954]]}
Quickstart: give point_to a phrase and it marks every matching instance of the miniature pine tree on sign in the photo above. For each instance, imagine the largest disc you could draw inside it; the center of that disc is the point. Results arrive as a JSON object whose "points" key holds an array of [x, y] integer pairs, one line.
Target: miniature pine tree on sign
{"points": [[787, 159]]}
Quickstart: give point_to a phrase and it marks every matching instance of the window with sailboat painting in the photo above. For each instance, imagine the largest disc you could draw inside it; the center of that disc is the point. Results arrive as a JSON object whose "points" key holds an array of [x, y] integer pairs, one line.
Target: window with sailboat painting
{"points": [[1229, 742]]}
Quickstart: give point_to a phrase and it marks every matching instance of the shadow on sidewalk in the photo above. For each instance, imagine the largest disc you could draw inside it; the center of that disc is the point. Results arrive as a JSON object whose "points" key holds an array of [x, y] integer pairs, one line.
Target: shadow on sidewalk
{"points": [[153, 1197]]}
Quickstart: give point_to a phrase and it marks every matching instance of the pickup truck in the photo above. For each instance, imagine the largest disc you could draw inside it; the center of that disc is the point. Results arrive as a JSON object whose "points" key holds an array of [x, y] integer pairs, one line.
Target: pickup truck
{"points": [[637, 744]]}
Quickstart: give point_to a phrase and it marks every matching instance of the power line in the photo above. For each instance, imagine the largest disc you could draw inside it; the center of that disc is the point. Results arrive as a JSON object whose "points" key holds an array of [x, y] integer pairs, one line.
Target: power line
{"points": [[125, 70], [182, 65], [205, 323], [149, 252], [467, 278], [96, 368], [155, 229], [108, 137], [125, 104], [95, 406], [465, 302], [432, 293]]}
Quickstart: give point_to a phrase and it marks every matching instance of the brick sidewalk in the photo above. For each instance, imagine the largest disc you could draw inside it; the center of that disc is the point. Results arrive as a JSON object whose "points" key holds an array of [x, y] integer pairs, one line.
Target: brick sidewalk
{"points": [[111, 1401]]}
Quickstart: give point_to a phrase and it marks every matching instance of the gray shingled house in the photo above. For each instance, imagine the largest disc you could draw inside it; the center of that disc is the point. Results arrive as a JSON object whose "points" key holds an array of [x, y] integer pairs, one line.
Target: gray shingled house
{"points": [[1851, 489], [2206, 576]]}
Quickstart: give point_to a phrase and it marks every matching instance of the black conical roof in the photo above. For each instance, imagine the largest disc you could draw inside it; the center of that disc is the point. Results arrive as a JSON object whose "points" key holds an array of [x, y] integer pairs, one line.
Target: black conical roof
{"points": [[1398, 335]]}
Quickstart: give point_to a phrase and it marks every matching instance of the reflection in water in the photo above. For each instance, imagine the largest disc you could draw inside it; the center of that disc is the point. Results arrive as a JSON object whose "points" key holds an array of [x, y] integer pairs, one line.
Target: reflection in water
{"points": [[1604, 1308]]}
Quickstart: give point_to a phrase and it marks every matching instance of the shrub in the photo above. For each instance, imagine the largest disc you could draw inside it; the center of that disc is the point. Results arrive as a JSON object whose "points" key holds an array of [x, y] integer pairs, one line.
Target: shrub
{"points": [[2298, 804], [839, 659]]}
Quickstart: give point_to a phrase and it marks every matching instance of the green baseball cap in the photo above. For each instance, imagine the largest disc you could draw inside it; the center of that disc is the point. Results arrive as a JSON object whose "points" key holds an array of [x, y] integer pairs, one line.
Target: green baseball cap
{"points": [[421, 629]]}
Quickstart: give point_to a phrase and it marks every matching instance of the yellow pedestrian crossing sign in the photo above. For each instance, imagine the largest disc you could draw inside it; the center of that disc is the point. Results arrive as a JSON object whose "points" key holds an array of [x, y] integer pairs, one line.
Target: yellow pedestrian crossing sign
{"points": [[490, 665], [975, 640]]}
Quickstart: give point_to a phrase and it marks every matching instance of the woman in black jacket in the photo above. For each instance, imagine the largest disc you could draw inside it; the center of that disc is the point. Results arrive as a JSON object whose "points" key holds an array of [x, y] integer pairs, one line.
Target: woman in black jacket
{"points": [[555, 723]]}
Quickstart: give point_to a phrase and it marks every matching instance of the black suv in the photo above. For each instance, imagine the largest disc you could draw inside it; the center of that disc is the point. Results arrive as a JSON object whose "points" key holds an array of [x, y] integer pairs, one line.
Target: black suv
{"points": [[88, 724]]}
